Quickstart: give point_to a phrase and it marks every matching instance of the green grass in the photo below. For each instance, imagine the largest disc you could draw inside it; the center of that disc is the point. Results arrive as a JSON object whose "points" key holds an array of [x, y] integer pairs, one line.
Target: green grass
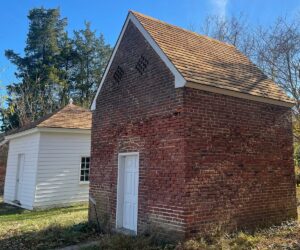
{"points": [[58, 227], [43, 229]]}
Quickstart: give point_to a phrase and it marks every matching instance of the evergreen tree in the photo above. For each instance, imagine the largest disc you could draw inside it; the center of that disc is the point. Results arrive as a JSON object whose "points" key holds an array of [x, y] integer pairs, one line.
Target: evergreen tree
{"points": [[91, 56], [54, 68], [38, 73]]}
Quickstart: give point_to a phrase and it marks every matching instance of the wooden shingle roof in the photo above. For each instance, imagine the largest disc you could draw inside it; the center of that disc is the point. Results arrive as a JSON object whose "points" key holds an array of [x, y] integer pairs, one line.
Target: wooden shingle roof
{"points": [[69, 117], [209, 62]]}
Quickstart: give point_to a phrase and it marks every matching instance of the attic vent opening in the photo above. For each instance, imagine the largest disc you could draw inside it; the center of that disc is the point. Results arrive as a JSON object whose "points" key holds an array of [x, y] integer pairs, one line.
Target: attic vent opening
{"points": [[142, 64], [118, 74]]}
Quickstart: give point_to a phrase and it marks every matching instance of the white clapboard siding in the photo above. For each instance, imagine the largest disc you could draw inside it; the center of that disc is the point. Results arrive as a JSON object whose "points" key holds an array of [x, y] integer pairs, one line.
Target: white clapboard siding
{"points": [[58, 175], [27, 145]]}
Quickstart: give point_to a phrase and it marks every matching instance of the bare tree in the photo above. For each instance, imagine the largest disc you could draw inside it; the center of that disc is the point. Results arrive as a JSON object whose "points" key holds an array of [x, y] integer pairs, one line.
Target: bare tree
{"points": [[278, 55], [234, 30], [275, 49]]}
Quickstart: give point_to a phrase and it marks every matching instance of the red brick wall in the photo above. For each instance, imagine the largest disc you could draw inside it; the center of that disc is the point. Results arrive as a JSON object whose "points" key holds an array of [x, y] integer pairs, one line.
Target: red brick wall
{"points": [[3, 158], [239, 162], [140, 114], [205, 159]]}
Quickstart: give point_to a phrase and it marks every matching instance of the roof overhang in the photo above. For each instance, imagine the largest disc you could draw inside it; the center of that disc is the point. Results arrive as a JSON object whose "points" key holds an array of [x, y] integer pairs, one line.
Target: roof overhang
{"points": [[21, 134], [179, 79], [65, 130], [48, 130], [239, 94]]}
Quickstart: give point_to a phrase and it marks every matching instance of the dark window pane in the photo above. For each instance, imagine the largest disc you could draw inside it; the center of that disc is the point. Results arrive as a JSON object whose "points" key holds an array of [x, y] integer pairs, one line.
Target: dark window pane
{"points": [[85, 165]]}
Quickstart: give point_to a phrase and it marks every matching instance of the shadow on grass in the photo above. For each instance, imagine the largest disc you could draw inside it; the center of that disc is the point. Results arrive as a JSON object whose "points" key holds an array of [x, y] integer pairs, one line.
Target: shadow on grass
{"points": [[6, 209], [49, 238], [121, 241]]}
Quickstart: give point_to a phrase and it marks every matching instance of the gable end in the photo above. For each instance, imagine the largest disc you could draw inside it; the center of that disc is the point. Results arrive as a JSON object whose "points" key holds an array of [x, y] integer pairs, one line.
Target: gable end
{"points": [[179, 79]]}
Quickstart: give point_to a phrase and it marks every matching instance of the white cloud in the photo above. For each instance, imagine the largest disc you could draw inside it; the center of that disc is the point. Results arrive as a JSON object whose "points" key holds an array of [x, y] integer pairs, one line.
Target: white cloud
{"points": [[220, 7]]}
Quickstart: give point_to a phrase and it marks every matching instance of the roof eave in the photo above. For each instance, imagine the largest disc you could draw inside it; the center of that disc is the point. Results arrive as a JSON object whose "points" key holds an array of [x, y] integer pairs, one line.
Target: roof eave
{"points": [[48, 129], [21, 133], [238, 94], [65, 130]]}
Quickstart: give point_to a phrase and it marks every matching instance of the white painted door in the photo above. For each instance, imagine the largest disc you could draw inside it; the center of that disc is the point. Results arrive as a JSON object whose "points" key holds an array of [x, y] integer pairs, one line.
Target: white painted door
{"points": [[19, 176], [130, 192]]}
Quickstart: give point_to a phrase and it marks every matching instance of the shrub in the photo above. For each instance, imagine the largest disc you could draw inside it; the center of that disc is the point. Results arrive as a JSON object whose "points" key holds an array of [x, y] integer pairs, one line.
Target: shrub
{"points": [[297, 154], [243, 241], [193, 244]]}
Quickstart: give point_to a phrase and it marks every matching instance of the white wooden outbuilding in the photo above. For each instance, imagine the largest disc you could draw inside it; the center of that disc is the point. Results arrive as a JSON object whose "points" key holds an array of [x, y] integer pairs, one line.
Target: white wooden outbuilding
{"points": [[48, 161]]}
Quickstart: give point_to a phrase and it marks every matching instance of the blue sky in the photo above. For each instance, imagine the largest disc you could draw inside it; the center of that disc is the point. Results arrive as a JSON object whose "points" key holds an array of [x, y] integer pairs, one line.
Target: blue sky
{"points": [[108, 16]]}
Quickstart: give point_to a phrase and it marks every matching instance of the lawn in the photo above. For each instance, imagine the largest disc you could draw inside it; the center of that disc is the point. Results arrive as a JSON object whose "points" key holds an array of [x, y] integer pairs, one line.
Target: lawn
{"points": [[58, 227], [44, 229]]}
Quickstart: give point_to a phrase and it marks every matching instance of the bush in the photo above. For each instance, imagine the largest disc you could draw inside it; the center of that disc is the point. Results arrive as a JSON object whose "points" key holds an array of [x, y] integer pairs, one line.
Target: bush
{"points": [[193, 244], [297, 154], [243, 242]]}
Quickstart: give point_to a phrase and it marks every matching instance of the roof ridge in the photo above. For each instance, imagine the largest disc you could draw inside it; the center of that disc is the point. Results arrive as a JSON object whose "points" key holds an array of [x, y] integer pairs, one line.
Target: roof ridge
{"points": [[186, 30], [48, 116], [77, 106]]}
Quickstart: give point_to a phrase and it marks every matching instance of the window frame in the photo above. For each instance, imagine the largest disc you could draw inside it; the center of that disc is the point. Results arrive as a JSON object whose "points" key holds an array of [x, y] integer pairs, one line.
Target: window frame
{"points": [[80, 181]]}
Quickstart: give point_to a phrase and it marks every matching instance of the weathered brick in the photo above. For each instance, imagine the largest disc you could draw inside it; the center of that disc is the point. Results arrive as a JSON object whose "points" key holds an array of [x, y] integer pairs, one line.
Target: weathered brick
{"points": [[206, 160]]}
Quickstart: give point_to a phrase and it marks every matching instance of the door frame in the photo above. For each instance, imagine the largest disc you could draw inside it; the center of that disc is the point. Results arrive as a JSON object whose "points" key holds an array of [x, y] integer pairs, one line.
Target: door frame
{"points": [[20, 170], [120, 189]]}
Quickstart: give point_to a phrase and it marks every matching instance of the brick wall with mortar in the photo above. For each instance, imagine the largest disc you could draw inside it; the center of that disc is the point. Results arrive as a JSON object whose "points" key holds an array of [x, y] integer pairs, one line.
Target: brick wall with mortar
{"points": [[239, 164], [141, 113], [205, 159]]}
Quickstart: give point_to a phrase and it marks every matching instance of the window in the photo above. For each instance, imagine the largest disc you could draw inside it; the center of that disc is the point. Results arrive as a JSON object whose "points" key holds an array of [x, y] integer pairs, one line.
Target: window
{"points": [[85, 169]]}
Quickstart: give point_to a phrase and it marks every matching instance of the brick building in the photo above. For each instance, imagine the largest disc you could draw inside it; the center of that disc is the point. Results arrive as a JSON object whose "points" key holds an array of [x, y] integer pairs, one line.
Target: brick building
{"points": [[188, 135]]}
